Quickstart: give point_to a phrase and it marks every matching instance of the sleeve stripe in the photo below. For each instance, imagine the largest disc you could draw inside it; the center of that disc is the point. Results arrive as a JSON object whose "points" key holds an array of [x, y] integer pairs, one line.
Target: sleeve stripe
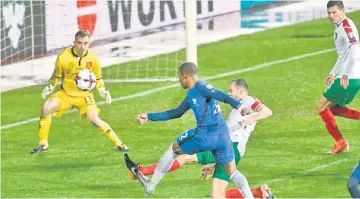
{"points": [[255, 105], [349, 31]]}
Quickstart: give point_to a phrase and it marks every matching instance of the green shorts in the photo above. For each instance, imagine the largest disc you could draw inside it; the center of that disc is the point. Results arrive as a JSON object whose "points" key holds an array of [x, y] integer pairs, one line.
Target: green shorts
{"points": [[207, 157], [336, 94]]}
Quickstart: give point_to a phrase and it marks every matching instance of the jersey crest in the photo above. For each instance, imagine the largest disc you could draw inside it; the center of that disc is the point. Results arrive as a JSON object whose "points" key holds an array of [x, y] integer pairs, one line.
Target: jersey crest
{"points": [[88, 65]]}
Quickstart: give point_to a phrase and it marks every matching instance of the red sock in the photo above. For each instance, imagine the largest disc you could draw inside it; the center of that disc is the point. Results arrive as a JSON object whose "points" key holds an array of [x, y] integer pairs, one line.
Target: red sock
{"points": [[257, 193], [345, 112], [330, 124], [149, 170], [235, 193]]}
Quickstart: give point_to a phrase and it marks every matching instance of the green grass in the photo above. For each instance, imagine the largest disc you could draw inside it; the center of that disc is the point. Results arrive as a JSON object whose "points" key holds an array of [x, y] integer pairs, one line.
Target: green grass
{"points": [[286, 151]]}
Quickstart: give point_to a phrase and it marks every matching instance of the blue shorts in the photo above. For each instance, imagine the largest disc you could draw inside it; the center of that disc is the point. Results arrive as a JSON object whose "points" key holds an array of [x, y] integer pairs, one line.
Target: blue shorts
{"points": [[356, 172], [200, 139]]}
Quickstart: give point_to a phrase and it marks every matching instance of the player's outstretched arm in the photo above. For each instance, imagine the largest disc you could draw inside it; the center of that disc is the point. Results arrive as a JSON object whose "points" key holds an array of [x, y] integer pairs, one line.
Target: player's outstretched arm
{"points": [[100, 85], [208, 91], [103, 92], [170, 114], [57, 74], [262, 112]]}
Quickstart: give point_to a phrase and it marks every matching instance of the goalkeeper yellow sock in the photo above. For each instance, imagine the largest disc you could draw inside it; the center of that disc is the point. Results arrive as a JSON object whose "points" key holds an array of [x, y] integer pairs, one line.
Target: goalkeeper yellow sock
{"points": [[44, 129], [107, 130]]}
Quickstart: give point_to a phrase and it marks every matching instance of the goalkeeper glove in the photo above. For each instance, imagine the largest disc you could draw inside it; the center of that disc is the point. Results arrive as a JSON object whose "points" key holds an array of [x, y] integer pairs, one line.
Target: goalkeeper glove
{"points": [[104, 93], [47, 90]]}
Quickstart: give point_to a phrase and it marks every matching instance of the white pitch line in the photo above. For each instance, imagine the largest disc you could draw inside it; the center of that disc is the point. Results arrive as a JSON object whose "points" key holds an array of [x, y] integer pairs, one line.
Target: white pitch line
{"points": [[148, 92], [318, 168]]}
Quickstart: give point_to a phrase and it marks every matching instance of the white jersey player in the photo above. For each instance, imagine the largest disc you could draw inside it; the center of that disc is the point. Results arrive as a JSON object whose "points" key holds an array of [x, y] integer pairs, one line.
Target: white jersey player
{"points": [[346, 38], [240, 132], [240, 127], [343, 82]]}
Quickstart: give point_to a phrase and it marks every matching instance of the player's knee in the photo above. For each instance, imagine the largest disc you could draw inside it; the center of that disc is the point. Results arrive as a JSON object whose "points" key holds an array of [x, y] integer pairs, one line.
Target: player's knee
{"points": [[95, 120], [48, 107], [352, 182], [319, 107], [176, 149]]}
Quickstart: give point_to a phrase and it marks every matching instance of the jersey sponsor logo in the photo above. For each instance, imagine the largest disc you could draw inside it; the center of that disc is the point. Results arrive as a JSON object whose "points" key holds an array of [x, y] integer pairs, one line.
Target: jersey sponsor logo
{"points": [[86, 21]]}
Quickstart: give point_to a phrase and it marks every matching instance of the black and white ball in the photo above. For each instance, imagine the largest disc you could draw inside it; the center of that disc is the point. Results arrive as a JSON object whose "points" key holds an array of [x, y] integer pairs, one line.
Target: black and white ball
{"points": [[85, 80]]}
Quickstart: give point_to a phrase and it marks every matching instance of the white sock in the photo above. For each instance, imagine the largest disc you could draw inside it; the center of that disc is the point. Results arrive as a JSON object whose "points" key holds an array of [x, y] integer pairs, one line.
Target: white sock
{"points": [[242, 183], [163, 166]]}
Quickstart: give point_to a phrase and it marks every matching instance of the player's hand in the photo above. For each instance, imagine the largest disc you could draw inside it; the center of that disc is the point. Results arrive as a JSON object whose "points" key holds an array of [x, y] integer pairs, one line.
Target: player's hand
{"points": [[247, 121], [329, 79], [142, 118], [345, 81], [207, 171], [245, 111], [104, 93], [47, 90]]}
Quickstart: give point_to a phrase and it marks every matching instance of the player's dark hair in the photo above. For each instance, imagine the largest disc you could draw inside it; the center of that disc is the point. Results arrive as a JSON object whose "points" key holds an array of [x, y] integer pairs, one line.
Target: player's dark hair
{"points": [[339, 4], [82, 34], [240, 83], [188, 68]]}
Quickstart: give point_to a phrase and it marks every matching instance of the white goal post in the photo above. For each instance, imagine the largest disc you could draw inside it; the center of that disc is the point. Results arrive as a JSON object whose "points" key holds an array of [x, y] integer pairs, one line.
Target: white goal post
{"points": [[136, 40]]}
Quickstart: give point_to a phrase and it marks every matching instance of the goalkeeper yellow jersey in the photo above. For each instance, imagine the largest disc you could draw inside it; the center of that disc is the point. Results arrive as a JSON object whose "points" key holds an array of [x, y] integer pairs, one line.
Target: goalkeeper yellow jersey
{"points": [[68, 64]]}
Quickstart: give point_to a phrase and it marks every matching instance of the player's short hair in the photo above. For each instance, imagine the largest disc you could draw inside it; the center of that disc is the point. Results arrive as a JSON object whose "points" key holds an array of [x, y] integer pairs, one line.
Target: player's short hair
{"points": [[240, 83], [339, 4], [82, 34], [188, 68]]}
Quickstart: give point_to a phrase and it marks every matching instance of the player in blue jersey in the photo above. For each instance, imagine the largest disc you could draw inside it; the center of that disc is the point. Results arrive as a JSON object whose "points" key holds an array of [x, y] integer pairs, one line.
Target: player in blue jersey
{"points": [[353, 182], [210, 134]]}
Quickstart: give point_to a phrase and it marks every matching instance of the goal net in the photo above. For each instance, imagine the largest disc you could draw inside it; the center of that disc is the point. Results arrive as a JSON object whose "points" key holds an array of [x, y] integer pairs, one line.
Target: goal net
{"points": [[135, 40]]}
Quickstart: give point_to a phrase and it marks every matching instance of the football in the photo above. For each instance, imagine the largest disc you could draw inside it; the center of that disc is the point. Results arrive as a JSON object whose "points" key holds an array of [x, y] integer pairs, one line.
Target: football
{"points": [[85, 80]]}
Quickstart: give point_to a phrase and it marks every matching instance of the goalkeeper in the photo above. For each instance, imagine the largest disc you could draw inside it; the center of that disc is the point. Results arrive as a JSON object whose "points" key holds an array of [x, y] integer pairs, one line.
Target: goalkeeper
{"points": [[68, 64]]}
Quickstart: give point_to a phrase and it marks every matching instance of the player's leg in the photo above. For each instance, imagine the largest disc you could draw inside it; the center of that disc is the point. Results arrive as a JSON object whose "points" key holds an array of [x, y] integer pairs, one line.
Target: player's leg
{"points": [[353, 182], [218, 188], [328, 118], [344, 111], [88, 108], [224, 154], [335, 94], [57, 104], [178, 162], [238, 178], [262, 192]]}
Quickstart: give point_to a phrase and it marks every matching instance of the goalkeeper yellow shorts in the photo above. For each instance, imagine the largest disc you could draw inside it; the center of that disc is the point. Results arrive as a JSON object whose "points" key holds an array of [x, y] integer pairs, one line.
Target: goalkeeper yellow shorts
{"points": [[66, 102]]}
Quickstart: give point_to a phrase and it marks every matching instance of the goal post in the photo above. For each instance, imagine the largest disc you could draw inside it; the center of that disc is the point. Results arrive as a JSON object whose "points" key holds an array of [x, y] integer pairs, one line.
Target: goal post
{"points": [[136, 40], [190, 24]]}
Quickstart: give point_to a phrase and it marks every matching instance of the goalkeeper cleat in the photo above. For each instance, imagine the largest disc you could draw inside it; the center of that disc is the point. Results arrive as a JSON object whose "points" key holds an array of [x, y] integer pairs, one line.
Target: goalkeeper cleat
{"points": [[122, 148], [39, 148], [266, 192], [134, 169]]}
